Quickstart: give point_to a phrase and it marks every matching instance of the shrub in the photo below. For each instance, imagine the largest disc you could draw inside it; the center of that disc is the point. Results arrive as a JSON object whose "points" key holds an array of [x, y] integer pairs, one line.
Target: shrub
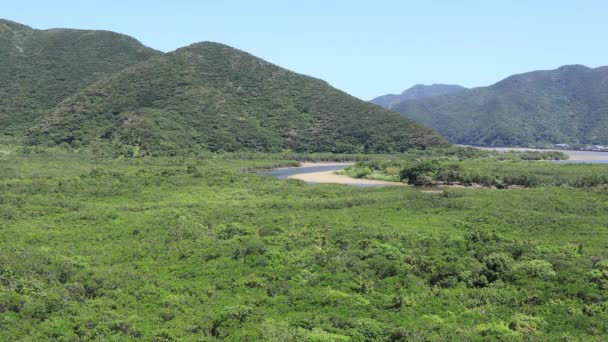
{"points": [[496, 266], [362, 172], [533, 269], [525, 324], [497, 330], [447, 275], [249, 247], [599, 274], [420, 173], [392, 171], [11, 301]]}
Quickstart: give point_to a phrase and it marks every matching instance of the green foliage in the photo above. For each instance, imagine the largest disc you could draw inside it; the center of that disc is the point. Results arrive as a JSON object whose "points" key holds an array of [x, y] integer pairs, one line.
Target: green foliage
{"points": [[499, 170], [75, 88], [191, 248], [540, 108], [420, 172], [40, 68], [599, 274], [208, 96], [497, 265], [534, 269], [212, 97], [524, 324], [496, 331]]}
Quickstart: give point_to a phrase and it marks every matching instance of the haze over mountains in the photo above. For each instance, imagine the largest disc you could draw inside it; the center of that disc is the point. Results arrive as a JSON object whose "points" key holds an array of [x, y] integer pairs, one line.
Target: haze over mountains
{"points": [[76, 87], [568, 105], [418, 91]]}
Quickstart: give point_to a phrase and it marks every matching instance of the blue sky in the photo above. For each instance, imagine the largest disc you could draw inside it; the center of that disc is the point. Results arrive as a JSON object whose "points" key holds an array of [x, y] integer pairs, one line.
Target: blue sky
{"points": [[366, 48]]}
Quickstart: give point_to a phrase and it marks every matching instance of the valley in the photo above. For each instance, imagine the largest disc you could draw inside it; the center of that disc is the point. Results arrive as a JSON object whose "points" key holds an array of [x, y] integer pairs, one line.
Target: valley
{"points": [[202, 193]]}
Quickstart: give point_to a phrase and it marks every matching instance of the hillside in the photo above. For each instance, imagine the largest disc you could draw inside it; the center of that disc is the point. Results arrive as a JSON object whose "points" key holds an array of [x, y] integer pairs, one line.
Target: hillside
{"points": [[212, 96], [567, 105], [39, 68], [418, 91]]}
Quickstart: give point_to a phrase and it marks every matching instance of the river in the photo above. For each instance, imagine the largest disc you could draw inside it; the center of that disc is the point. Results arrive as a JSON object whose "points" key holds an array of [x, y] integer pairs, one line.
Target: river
{"points": [[575, 156], [325, 173], [320, 173]]}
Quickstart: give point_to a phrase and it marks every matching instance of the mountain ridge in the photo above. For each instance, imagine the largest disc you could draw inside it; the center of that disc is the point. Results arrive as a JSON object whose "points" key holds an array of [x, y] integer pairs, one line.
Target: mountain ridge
{"points": [[417, 91], [209, 95], [567, 105], [40, 68]]}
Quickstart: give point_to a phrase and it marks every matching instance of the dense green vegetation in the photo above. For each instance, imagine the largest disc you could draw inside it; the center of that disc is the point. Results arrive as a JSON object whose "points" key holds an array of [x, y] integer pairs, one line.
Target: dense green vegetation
{"points": [[80, 88], [566, 105], [418, 91], [213, 97], [191, 248], [133, 212], [40, 68], [458, 166]]}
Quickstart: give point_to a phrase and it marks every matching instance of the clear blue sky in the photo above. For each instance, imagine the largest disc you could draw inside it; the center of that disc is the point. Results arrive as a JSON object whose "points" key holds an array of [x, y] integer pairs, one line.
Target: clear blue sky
{"points": [[366, 48]]}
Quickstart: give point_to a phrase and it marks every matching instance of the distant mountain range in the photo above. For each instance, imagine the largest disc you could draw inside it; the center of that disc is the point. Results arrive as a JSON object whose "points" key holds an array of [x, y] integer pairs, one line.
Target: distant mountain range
{"points": [[74, 88], [78, 87], [416, 92], [566, 105], [40, 68]]}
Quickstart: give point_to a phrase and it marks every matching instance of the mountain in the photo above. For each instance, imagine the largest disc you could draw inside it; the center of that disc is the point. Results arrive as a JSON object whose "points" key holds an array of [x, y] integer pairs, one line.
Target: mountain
{"points": [[216, 97], [567, 105], [418, 91], [40, 68]]}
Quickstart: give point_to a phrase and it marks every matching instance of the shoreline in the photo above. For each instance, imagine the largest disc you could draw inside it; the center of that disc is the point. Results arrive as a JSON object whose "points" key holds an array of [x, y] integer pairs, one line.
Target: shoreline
{"points": [[324, 177], [574, 155], [312, 164]]}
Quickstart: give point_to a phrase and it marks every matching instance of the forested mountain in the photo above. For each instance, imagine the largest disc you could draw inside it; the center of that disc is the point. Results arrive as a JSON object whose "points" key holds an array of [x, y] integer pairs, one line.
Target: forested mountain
{"points": [[418, 91], [39, 68], [566, 105], [212, 96]]}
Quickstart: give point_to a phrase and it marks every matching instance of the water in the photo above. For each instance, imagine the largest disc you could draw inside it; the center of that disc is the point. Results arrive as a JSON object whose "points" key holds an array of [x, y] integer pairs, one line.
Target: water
{"points": [[283, 173], [590, 161], [584, 157], [576, 156]]}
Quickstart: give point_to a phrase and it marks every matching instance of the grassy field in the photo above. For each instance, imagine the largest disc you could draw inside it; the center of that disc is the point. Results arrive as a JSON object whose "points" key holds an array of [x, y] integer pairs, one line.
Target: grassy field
{"points": [[163, 249]]}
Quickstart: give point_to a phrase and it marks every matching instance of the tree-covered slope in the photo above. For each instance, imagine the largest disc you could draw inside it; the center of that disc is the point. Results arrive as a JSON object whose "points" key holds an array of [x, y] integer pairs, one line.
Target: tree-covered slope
{"points": [[39, 68], [416, 92], [212, 96], [566, 105]]}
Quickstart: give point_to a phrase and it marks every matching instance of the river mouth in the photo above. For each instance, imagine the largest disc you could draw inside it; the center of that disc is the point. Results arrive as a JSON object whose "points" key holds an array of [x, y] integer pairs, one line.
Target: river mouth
{"points": [[325, 173], [305, 168]]}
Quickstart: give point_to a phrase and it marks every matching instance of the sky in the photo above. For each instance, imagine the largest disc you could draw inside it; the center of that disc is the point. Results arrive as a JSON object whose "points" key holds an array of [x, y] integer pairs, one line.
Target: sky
{"points": [[366, 48]]}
